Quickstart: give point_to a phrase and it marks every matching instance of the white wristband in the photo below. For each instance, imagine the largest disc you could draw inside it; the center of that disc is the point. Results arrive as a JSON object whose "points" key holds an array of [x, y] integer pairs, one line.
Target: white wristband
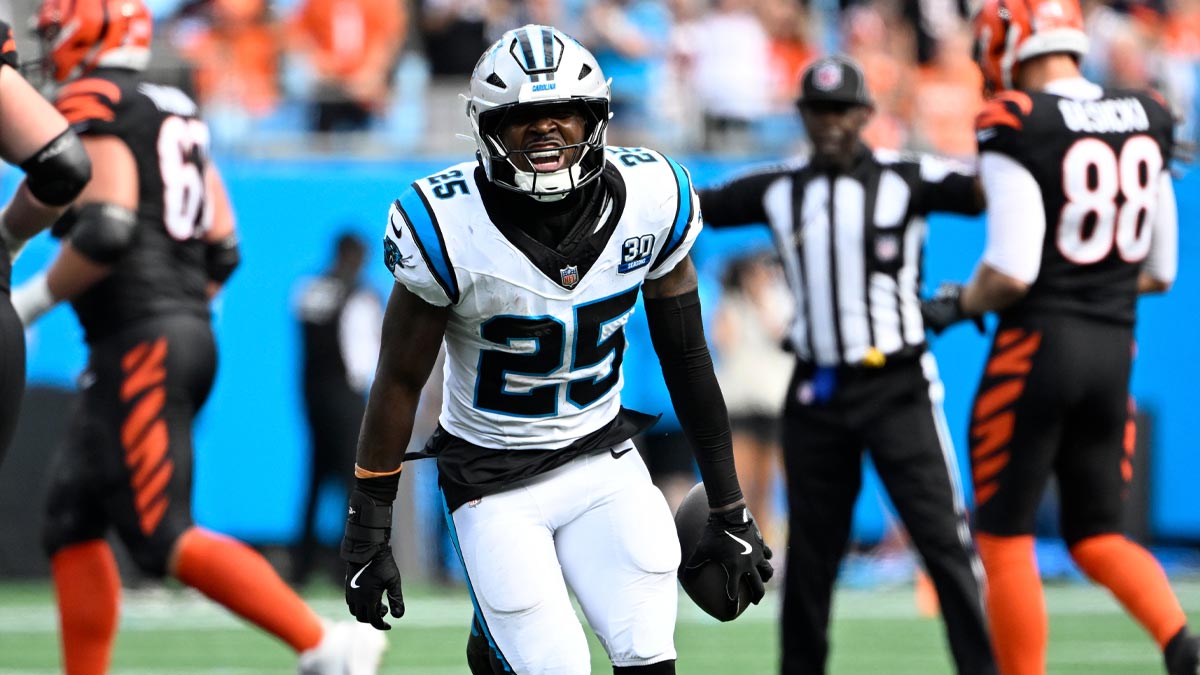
{"points": [[32, 299]]}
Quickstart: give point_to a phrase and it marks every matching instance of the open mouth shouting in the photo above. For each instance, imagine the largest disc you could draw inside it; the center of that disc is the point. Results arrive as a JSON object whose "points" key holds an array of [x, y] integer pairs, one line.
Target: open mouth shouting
{"points": [[546, 156]]}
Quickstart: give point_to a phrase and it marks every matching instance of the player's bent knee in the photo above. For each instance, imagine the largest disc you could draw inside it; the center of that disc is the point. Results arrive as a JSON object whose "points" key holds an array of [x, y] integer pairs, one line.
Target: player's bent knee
{"points": [[152, 555], [66, 524], [548, 657], [649, 642], [151, 559], [60, 531]]}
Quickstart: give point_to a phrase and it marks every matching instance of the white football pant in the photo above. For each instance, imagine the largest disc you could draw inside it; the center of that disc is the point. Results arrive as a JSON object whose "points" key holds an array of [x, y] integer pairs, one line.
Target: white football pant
{"points": [[597, 526]]}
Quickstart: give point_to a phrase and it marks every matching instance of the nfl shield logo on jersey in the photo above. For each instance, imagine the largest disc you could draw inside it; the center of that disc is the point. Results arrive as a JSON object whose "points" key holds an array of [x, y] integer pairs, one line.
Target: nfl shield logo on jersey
{"points": [[570, 275], [887, 247]]}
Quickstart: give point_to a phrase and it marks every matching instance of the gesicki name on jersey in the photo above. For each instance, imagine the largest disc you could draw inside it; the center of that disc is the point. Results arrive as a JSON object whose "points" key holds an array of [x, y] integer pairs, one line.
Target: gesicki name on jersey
{"points": [[1119, 115]]}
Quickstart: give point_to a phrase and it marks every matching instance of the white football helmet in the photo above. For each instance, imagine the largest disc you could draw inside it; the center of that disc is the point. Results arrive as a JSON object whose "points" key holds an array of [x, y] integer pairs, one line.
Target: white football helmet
{"points": [[538, 66]]}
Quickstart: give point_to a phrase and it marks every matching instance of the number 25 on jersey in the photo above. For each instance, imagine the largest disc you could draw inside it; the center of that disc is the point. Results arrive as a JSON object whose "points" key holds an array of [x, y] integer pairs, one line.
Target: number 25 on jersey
{"points": [[543, 350]]}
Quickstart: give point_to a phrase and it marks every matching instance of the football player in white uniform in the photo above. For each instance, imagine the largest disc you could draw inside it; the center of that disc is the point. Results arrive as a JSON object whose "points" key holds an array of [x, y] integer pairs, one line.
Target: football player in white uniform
{"points": [[527, 264]]}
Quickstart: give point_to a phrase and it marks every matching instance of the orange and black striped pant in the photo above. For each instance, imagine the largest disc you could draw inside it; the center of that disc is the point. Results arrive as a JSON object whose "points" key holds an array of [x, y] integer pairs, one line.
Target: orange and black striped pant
{"points": [[127, 462], [1053, 400]]}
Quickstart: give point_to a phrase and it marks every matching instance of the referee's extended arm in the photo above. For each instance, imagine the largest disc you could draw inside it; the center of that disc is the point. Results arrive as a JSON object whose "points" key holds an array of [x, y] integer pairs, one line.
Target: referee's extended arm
{"points": [[737, 202], [947, 190]]}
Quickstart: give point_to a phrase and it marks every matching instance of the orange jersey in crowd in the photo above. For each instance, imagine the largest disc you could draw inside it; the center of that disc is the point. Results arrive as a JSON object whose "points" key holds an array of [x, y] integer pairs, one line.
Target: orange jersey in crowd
{"points": [[346, 33]]}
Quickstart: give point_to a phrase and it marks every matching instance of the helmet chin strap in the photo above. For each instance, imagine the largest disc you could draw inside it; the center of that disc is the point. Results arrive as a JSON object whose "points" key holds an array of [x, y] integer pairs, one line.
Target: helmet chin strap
{"points": [[560, 183]]}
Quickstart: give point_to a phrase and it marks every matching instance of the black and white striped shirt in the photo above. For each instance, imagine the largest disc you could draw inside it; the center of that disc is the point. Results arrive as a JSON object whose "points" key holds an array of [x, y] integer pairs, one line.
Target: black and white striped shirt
{"points": [[851, 245]]}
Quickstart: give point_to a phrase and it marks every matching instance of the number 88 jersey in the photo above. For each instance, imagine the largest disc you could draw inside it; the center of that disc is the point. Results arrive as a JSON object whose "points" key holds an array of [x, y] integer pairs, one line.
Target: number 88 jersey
{"points": [[1099, 159], [535, 339], [163, 272]]}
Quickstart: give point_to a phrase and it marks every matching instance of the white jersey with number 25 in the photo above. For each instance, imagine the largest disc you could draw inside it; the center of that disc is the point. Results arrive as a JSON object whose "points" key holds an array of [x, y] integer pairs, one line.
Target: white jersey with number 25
{"points": [[533, 358]]}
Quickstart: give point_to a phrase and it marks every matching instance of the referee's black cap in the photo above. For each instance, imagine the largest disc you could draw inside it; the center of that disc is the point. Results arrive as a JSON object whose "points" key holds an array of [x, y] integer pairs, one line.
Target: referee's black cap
{"points": [[834, 79]]}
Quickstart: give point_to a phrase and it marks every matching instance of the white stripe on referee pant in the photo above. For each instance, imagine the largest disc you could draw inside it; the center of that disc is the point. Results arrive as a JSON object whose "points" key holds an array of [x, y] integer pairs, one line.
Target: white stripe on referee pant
{"points": [[937, 394]]}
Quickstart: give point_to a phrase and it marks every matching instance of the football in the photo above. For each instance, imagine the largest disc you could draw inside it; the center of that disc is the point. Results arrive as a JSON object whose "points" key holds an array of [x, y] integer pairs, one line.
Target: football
{"points": [[705, 585]]}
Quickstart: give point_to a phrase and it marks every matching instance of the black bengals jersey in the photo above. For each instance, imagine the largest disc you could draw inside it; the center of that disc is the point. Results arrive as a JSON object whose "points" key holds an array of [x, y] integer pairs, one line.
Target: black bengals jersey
{"points": [[163, 272], [8, 47], [1098, 164]]}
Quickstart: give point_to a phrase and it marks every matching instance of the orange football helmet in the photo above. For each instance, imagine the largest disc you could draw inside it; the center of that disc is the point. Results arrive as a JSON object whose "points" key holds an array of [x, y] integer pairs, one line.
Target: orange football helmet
{"points": [[79, 35], [1008, 32]]}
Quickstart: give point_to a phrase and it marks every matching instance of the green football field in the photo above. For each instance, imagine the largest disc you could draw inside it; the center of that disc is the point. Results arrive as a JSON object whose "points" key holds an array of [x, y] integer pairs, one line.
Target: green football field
{"points": [[169, 632]]}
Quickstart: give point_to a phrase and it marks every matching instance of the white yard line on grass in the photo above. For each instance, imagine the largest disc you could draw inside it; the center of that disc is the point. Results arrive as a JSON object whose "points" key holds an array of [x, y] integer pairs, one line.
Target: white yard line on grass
{"points": [[185, 610]]}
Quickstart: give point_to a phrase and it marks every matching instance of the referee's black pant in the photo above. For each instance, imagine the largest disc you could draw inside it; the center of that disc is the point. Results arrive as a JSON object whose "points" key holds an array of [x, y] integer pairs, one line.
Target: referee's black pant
{"points": [[888, 410]]}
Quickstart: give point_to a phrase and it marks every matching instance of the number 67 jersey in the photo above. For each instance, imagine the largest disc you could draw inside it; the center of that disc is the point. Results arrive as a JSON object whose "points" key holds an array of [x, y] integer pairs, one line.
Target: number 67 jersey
{"points": [[1085, 196], [536, 334], [164, 271]]}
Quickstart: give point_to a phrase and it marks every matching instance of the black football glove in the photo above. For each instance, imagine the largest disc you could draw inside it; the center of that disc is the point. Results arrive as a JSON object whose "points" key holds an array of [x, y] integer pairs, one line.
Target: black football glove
{"points": [[732, 540], [944, 309], [370, 569]]}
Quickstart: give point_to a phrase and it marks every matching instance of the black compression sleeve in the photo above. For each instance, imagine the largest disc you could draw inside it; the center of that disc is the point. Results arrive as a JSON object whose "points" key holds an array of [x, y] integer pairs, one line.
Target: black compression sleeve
{"points": [[104, 232], [739, 201], [221, 258], [677, 331], [58, 172], [381, 489]]}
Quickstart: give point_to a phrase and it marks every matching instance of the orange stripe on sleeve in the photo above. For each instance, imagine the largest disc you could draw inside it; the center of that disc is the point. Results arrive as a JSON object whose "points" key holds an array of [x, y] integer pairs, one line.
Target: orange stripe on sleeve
{"points": [[85, 108], [89, 99], [1022, 100], [92, 87], [996, 111]]}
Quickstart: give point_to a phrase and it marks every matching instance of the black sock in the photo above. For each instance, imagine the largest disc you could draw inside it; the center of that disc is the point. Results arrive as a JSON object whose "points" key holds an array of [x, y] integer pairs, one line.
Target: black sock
{"points": [[1182, 653]]}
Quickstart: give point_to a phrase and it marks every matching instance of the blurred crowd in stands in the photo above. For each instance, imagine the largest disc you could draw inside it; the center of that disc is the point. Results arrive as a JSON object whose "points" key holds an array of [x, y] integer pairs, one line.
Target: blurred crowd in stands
{"points": [[688, 75]]}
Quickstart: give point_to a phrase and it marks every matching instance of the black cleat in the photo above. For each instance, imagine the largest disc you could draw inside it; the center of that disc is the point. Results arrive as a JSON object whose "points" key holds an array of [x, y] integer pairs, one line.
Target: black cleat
{"points": [[1182, 654]]}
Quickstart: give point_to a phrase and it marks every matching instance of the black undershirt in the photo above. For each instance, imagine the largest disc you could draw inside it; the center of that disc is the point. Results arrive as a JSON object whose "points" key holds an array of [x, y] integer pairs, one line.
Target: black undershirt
{"points": [[567, 232]]}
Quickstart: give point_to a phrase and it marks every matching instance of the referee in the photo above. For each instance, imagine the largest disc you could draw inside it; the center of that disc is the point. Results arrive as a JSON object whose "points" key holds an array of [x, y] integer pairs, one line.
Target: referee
{"points": [[850, 226]]}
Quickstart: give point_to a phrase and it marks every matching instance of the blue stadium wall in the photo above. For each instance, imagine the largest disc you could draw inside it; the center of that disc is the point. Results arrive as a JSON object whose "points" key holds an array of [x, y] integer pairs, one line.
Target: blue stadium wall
{"points": [[250, 459]]}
